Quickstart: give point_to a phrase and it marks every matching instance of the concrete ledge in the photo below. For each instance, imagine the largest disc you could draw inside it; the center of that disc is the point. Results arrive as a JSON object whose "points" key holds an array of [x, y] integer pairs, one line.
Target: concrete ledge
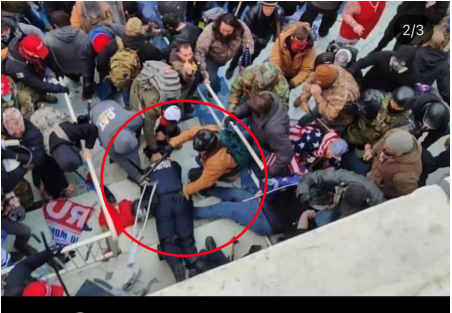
{"points": [[401, 247]]}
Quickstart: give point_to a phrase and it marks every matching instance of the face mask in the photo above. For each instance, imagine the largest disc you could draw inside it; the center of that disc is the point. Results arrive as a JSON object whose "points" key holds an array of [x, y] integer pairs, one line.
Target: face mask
{"points": [[298, 45], [398, 65], [7, 98], [6, 38]]}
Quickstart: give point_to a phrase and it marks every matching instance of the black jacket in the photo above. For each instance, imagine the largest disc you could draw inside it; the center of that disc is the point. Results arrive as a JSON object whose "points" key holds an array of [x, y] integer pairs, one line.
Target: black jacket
{"points": [[189, 33], [75, 133], [88, 55], [33, 140], [145, 50], [432, 65], [20, 70], [381, 76], [435, 13], [272, 133], [418, 110], [20, 275], [319, 186], [261, 26]]}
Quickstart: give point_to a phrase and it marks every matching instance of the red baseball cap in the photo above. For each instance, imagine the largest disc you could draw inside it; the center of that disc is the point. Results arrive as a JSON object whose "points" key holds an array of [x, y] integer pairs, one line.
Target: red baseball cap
{"points": [[100, 42], [42, 289], [6, 86], [34, 46]]}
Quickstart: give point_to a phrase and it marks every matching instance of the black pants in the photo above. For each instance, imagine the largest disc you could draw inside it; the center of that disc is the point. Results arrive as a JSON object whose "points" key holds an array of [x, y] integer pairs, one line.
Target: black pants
{"points": [[328, 19], [431, 164], [52, 176], [258, 47], [22, 233], [175, 228]]}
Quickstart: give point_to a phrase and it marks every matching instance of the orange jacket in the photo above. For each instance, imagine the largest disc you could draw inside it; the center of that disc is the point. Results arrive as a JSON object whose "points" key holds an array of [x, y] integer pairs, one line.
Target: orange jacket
{"points": [[79, 19], [298, 68], [215, 166]]}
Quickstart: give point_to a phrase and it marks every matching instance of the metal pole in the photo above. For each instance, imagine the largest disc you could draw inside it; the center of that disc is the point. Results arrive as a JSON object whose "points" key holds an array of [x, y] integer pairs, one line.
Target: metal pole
{"points": [[238, 8], [111, 225], [237, 130]]}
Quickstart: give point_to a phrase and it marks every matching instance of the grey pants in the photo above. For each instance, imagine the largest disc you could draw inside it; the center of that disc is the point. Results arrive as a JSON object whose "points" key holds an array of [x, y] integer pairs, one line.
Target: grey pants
{"points": [[21, 231]]}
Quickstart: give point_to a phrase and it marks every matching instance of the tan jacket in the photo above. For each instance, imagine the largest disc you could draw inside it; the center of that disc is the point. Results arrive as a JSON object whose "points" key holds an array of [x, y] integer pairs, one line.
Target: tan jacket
{"points": [[79, 19], [215, 166], [396, 177], [332, 100], [209, 47], [298, 68]]}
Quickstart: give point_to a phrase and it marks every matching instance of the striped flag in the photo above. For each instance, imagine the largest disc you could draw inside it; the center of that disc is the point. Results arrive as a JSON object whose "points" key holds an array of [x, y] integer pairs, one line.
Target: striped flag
{"points": [[245, 59]]}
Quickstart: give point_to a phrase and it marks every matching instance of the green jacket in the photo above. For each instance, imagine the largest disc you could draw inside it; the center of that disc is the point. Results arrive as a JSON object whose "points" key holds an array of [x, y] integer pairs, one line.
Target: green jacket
{"points": [[364, 132], [267, 76]]}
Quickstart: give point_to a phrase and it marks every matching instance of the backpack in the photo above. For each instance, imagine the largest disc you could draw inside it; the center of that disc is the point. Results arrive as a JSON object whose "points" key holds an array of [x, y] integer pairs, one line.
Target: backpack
{"points": [[163, 77], [235, 146], [124, 66], [47, 120]]}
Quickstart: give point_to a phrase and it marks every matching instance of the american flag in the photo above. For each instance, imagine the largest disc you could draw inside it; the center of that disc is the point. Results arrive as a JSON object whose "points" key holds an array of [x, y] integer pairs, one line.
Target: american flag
{"points": [[245, 59]]}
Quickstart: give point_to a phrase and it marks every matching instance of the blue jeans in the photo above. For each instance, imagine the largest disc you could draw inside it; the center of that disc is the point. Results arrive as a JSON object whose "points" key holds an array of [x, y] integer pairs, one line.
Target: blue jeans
{"points": [[234, 209], [351, 162], [212, 69], [326, 216]]}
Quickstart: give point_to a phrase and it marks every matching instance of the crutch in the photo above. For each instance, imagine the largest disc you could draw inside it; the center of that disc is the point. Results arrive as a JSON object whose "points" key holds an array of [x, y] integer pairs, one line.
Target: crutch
{"points": [[132, 272]]}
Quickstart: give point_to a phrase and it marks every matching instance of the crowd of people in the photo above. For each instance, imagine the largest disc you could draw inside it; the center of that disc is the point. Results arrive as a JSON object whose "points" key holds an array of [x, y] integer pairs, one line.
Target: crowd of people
{"points": [[369, 119]]}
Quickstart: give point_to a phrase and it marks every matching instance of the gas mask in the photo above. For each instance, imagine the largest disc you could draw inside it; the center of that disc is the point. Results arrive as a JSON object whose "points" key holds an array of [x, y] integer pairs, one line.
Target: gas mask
{"points": [[398, 65]]}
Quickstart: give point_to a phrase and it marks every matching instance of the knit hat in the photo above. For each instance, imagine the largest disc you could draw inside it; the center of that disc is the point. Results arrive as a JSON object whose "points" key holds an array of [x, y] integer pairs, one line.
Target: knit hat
{"points": [[34, 46], [354, 199], [343, 57], [100, 38], [134, 26], [42, 289], [400, 141], [172, 114], [338, 148], [6, 86], [125, 142], [270, 3], [325, 75]]}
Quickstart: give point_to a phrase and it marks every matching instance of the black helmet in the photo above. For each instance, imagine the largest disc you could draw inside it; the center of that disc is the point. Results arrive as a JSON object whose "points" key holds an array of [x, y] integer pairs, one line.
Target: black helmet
{"points": [[435, 115], [404, 97], [324, 58], [205, 141]]}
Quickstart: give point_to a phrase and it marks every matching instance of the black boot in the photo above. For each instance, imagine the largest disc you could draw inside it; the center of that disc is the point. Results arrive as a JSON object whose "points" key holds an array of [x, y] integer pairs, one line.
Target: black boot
{"points": [[179, 272], [195, 266], [210, 243]]}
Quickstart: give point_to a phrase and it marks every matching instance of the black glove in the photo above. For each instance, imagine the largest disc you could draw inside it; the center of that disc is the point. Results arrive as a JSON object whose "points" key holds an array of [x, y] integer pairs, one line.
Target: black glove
{"points": [[169, 149], [180, 197], [9, 154], [64, 89], [56, 250], [88, 89], [229, 119]]}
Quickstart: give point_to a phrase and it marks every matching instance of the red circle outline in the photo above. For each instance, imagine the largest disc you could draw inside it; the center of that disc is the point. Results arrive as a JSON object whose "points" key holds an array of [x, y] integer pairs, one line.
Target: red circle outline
{"points": [[173, 254]]}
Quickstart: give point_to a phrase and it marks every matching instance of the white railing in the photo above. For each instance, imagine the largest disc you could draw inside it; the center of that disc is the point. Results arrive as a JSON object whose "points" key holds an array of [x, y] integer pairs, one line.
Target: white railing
{"points": [[110, 236]]}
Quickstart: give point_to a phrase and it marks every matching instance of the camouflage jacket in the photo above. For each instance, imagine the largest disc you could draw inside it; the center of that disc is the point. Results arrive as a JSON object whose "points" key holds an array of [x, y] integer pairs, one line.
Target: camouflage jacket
{"points": [[246, 84], [364, 132]]}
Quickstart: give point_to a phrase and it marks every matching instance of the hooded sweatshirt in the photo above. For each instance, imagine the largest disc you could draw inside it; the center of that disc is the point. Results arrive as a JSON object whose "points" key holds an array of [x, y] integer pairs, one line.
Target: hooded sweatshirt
{"points": [[66, 44], [381, 76], [432, 65], [253, 78], [109, 116], [396, 176]]}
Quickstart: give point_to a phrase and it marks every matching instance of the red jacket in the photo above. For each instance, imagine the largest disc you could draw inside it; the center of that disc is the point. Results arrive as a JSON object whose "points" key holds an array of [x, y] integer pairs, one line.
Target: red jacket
{"points": [[124, 216]]}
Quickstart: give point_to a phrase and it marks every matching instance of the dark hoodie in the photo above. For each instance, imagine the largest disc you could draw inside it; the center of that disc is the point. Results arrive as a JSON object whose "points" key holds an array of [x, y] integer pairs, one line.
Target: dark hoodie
{"points": [[189, 33], [432, 65], [381, 76], [18, 30], [145, 50], [65, 45]]}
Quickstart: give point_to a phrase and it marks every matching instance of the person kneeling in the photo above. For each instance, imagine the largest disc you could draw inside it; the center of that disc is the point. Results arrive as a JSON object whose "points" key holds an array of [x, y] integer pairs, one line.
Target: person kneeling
{"points": [[215, 159]]}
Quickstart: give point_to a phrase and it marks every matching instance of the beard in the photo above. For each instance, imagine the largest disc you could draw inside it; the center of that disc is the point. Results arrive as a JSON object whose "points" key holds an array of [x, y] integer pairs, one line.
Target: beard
{"points": [[226, 39]]}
